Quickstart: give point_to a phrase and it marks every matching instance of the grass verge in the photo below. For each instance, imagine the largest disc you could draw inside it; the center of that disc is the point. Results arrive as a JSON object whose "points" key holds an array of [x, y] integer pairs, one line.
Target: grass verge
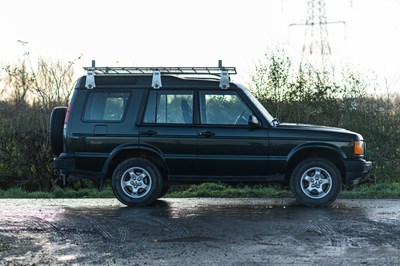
{"points": [[377, 191], [228, 191], [367, 191], [57, 193]]}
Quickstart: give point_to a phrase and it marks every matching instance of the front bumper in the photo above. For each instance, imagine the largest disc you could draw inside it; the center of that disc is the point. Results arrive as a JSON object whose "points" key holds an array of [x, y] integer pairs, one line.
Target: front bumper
{"points": [[356, 171]]}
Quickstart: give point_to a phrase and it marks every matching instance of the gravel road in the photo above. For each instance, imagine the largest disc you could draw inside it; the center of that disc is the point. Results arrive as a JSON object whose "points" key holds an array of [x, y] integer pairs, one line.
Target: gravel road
{"points": [[198, 232]]}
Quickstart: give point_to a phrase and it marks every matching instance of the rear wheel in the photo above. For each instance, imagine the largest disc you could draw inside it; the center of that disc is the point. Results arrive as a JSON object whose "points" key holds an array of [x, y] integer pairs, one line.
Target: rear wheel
{"points": [[137, 182], [316, 182], [57, 118]]}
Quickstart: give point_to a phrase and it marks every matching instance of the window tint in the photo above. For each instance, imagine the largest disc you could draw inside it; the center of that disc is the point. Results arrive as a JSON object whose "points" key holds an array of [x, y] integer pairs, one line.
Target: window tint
{"points": [[102, 106], [225, 108], [169, 108]]}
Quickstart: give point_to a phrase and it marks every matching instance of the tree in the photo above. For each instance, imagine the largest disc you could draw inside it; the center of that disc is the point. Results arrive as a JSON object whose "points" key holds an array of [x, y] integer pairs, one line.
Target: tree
{"points": [[29, 94]]}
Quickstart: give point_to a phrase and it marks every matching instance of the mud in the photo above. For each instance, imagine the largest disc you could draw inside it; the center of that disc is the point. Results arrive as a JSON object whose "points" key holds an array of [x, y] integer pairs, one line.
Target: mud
{"points": [[199, 232]]}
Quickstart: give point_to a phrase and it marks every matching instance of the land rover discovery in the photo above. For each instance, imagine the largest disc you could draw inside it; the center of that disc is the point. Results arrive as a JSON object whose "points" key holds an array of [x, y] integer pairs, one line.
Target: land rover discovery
{"points": [[149, 128]]}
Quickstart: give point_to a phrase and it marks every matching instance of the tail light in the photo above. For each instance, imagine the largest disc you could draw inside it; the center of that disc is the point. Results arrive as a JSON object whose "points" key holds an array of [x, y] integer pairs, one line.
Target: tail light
{"points": [[67, 119], [67, 114]]}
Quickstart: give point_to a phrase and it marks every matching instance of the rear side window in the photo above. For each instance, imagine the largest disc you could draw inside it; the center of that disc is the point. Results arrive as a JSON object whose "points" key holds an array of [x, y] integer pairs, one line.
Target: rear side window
{"points": [[104, 106], [172, 107]]}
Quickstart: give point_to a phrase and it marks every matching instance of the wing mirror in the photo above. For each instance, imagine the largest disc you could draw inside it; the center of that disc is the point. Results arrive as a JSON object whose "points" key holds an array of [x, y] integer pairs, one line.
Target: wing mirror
{"points": [[253, 121]]}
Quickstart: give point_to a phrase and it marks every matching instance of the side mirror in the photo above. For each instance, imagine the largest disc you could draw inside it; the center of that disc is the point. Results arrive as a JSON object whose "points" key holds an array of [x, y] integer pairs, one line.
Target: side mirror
{"points": [[253, 121]]}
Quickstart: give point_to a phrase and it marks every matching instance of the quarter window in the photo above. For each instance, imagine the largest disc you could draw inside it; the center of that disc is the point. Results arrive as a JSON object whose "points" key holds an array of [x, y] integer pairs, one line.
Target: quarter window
{"points": [[169, 107], [102, 106]]}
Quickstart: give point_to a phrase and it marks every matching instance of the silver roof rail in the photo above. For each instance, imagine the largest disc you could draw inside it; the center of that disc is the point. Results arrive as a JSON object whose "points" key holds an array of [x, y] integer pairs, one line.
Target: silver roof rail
{"points": [[157, 72]]}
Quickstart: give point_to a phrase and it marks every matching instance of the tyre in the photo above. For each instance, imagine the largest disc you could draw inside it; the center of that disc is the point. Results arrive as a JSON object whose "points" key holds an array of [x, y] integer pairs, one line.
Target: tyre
{"points": [[57, 118], [164, 191], [137, 182], [316, 182]]}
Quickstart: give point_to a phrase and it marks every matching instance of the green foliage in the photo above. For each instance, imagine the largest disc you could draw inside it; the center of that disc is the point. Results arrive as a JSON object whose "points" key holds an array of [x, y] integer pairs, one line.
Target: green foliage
{"points": [[82, 193], [226, 191], [300, 94], [271, 78], [29, 95], [329, 97], [57, 193], [13, 193], [368, 191], [378, 191], [24, 146]]}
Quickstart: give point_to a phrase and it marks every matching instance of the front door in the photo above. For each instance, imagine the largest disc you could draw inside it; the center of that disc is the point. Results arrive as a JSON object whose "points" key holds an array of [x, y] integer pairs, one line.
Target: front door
{"points": [[228, 147]]}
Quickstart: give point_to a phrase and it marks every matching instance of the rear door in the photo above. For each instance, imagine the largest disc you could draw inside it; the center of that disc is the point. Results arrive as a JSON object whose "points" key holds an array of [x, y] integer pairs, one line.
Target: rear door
{"points": [[167, 128]]}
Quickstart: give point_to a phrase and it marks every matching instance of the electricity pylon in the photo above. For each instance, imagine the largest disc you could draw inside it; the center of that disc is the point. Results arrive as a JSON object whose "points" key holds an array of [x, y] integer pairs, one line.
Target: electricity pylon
{"points": [[316, 42], [316, 34]]}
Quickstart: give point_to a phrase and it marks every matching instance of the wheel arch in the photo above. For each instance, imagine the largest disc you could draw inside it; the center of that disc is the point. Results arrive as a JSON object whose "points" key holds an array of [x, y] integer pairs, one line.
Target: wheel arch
{"points": [[330, 153], [125, 152]]}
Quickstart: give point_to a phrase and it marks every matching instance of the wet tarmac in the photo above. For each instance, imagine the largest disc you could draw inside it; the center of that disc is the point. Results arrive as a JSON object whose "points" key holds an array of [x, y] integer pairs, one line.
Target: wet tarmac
{"points": [[199, 232]]}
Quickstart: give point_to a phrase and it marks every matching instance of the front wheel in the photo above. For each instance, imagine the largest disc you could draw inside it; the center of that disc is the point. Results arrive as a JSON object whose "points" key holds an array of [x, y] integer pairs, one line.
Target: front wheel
{"points": [[164, 191], [137, 182], [316, 182]]}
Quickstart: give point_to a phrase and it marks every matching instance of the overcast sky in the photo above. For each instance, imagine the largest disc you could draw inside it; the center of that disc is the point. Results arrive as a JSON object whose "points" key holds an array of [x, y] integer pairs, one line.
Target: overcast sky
{"points": [[198, 33]]}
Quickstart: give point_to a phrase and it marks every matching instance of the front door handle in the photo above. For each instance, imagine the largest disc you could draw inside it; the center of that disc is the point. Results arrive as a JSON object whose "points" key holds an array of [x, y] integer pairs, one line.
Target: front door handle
{"points": [[148, 133], [207, 134]]}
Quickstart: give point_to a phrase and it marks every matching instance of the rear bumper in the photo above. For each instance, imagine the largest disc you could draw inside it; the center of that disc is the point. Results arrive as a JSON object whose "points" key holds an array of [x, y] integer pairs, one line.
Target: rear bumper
{"points": [[357, 171], [64, 164]]}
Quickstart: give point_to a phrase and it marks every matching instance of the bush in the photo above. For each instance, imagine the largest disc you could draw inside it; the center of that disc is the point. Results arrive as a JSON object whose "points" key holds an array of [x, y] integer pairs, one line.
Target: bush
{"points": [[326, 97], [29, 95], [292, 94]]}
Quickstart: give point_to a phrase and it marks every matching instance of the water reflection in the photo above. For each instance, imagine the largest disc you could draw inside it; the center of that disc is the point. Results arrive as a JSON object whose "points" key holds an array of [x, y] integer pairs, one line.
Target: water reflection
{"points": [[230, 208]]}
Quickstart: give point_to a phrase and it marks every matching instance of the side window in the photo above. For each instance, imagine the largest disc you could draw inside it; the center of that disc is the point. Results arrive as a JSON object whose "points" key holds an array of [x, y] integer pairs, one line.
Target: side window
{"points": [[169, 107], [103, 106], [223, 108]]}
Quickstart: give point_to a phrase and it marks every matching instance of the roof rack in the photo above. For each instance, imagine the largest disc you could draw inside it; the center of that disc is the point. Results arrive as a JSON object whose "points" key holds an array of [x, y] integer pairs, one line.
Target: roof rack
{"points": [[156, 72]]}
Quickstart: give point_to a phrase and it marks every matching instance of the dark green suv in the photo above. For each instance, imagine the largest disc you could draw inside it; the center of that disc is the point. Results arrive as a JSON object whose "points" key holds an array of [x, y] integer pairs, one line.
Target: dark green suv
{"points": [[150, 128]]}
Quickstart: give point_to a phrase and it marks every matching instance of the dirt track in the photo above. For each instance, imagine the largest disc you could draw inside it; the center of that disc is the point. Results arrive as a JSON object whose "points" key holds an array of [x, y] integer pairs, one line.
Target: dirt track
{"points": [[199, 232]]}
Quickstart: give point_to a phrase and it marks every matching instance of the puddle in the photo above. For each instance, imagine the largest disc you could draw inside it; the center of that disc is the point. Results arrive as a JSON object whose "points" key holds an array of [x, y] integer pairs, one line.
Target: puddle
{"points": [[189, 239]]}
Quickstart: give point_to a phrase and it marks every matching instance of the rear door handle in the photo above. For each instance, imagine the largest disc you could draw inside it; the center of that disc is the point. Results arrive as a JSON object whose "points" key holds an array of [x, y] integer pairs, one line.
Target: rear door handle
{"points": [[148, 133], [207, 134]]}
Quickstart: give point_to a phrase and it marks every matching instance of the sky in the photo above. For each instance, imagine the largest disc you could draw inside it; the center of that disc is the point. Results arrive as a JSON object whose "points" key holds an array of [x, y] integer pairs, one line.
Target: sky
{"points": [[199, 33]]}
